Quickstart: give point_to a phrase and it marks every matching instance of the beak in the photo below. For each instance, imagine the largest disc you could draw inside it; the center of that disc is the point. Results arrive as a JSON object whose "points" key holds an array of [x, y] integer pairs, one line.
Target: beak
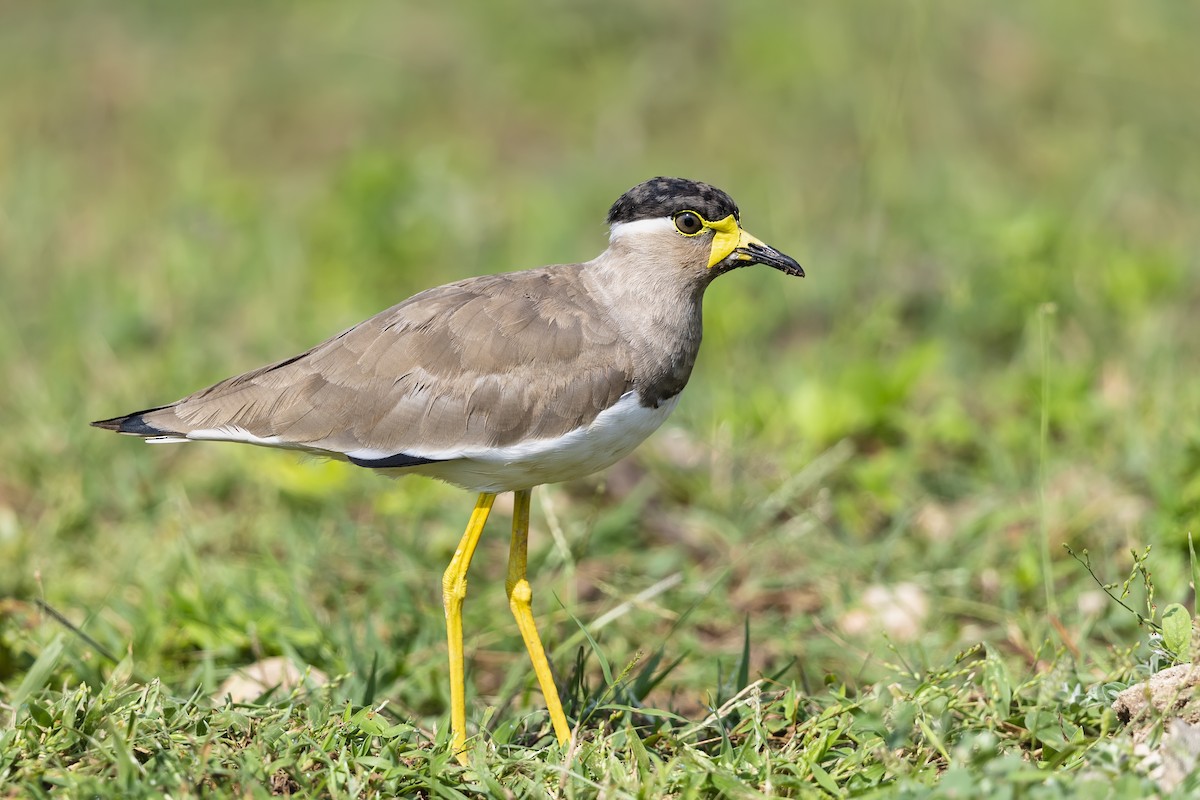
{"points": [[733, 247], [753, 251]]}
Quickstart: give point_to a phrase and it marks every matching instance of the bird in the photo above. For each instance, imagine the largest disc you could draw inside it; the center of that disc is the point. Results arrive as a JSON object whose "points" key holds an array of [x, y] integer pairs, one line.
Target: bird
{"points": [[499, 383]]}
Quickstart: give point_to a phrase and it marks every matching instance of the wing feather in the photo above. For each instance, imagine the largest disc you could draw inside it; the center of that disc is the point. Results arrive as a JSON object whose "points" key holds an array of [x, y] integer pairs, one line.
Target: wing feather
{"points": [[484, 362]]}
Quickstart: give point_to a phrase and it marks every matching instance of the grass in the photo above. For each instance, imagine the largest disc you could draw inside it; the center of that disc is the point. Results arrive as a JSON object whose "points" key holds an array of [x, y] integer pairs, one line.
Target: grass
{"points": [[847, 546]]}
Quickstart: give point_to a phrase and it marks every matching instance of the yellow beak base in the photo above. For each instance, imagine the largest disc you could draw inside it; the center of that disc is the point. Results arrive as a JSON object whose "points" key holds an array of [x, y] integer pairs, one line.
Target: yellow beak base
{"points": [[727, 237]]}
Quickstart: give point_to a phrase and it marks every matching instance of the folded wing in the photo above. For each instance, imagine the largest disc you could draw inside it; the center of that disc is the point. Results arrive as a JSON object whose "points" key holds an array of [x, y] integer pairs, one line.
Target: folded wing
{"points": [[485, 362]]}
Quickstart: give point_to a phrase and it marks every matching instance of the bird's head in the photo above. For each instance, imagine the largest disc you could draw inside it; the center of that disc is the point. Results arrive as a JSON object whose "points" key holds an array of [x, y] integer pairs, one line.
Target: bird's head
{"points": [[693, 224]]}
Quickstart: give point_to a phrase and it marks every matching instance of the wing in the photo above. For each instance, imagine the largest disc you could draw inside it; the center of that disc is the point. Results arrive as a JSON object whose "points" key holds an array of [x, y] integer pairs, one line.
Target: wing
{"points": [[485, 362]]}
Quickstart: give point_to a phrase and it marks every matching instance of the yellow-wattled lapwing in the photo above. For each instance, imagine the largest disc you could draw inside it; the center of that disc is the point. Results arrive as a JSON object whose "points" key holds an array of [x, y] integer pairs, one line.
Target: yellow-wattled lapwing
{"points": [[499, 383]]}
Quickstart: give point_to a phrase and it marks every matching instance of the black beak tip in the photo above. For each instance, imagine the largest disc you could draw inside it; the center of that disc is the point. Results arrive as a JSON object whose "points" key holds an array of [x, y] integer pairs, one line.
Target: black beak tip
{"points": [[761, 254]]}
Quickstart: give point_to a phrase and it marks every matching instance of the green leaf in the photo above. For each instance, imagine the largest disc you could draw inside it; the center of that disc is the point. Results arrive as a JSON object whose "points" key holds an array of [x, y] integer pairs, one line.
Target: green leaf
{"points": [[825, 780], [608, 678], [1042, 725], [39, 673], [370, 722], [1195, 573], [368, 697], [399, 729], [743, 676], [1177, 630], [40, 715], [997, 682]]}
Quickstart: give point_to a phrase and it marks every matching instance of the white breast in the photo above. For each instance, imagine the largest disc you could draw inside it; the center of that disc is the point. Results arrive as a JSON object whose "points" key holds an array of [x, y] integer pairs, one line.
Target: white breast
{"points": [[614, 434]]}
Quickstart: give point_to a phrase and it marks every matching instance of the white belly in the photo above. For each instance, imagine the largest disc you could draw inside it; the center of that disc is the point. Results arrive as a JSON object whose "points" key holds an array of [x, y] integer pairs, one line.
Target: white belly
{"points": [[611, 436]]}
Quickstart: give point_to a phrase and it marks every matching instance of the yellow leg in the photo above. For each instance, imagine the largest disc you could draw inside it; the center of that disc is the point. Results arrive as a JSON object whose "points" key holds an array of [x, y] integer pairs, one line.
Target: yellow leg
{"points": [[520, 600], [454, 590]]}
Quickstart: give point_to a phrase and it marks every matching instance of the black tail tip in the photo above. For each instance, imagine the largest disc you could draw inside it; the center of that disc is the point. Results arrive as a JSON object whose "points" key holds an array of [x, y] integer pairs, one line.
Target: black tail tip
{"points": [[134, 424]]}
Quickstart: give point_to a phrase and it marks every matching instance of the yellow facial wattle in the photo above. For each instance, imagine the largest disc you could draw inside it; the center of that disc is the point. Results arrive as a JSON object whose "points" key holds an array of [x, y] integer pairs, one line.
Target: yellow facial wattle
{"points": [[727, 237]]}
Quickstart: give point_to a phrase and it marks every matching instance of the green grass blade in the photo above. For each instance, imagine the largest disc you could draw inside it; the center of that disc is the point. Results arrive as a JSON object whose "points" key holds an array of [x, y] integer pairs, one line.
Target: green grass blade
{"points": [[39, 673]]}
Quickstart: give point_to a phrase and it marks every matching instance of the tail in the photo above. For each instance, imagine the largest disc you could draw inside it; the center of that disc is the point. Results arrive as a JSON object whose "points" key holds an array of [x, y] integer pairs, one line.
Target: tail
{"points": [[135, 424]]}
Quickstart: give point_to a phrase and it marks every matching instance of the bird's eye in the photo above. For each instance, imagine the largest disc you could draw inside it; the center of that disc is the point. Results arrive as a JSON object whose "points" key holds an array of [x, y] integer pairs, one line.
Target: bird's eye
{"points": [[688, 223]]}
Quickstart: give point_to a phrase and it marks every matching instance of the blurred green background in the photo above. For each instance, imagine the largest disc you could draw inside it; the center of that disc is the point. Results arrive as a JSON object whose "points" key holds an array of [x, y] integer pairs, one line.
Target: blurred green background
{"points": [[996, 349]]}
